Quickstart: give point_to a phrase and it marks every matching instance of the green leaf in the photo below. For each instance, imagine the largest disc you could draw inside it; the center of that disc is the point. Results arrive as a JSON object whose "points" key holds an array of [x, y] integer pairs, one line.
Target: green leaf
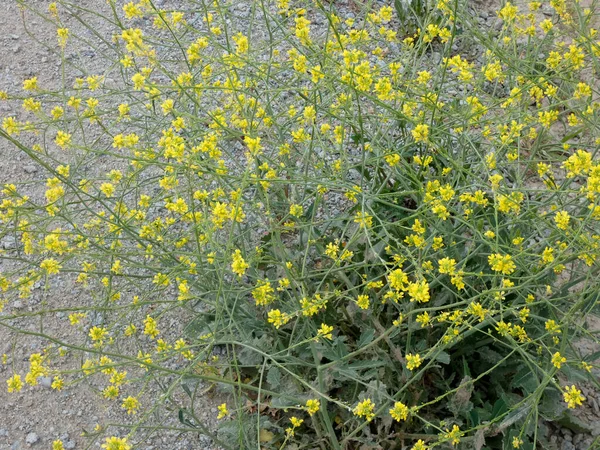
{"points": [[500, 407], [551, 407], [366, 364], [574, 423], [525, 380], [365, 338], [274, 377], [443, 358]]}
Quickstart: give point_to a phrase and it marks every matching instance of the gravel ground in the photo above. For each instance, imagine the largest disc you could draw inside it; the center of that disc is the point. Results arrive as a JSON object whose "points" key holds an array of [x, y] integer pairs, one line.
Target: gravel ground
{"points": [[38, 415]]}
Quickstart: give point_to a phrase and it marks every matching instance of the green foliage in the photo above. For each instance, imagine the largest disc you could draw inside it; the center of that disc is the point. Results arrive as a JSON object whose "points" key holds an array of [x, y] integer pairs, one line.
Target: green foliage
{"points": [[363, 244]]}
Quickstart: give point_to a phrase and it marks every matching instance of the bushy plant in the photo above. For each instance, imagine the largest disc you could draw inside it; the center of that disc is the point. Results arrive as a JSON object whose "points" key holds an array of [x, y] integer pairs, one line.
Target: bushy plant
{"points": [[371, 239]]}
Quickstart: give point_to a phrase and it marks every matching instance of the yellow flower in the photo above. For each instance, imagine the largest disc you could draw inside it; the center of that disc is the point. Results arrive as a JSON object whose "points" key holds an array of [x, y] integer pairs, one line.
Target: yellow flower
{"points": [[131, 404], [57, 383], [132, 10], [325, 331], [11, 126], [30, 84], [14, 383], [161, 279], [63, 35], [365, 409], [277, 318], [97, 334], [63, 140], [548, 255], [558, 360], [453, 435], [312, 406], [115, 443], [150, 327], [423, 319], [363, 301], [420, 445], [413, 361], [296, 210], [364, 220], [419, 291], [423, 77], [238, 266], [392, 159], [58, 445], [111, 392], [398, 279], [552, 327], [51, 266], [547, 118], [223, 411], [447, 266], [508, 12], [263, 293], [254, 146], [303, 30], [578, 163], [399, 411], [573, 397], [107, 189], [295, 424], [502, 263], [562, 220], [421, 133]]}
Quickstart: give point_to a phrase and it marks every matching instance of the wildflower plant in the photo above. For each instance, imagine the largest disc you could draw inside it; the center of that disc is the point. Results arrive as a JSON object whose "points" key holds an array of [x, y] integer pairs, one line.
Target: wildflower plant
{"points": [[362, 243]]}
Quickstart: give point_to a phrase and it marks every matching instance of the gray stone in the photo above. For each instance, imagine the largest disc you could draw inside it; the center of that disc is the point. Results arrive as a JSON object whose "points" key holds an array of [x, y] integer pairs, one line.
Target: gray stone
{"points": [[46, 382], [32, 438], [30, 168], [9, 242]]}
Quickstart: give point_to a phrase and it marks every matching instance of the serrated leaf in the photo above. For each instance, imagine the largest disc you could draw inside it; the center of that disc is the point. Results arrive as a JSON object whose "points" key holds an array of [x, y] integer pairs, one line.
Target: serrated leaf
{"points": [[525, 380], [366, 364], [460, 401], [443, 358], [365, 338], [274, 377], [338, 349], [551, 406], [574, 423], [490, 356]]}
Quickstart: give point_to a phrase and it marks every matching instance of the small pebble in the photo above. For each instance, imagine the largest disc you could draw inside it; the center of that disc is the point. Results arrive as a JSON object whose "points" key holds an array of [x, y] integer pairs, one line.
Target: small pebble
{"points": [[46, 382], [32, 438]]}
